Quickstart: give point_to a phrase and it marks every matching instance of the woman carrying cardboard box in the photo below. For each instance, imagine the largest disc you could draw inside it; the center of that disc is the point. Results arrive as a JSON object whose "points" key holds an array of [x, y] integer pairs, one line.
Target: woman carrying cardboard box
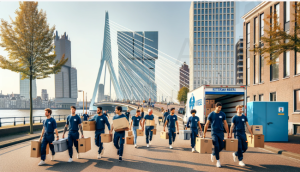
{"points": [[136, 121]]}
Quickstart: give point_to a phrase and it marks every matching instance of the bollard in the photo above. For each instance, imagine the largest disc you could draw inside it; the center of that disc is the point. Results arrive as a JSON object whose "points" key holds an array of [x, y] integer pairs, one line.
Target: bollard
{"points": [[24, 120], [14, 121]]}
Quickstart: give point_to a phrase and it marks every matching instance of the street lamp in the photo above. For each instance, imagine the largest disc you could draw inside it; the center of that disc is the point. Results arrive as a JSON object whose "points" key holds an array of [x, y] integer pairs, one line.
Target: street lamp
{"points": [[149, 84], [82, 99]]}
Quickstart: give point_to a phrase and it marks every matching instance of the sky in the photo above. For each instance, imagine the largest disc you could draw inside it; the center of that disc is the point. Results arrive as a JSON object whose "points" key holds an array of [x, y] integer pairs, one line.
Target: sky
{"points": [[84, 23]]}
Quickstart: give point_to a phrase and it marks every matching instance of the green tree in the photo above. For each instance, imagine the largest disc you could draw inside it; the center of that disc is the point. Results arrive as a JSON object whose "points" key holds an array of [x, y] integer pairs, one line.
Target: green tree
{"points": [[29, 43], [276, 40], [182, 94]]}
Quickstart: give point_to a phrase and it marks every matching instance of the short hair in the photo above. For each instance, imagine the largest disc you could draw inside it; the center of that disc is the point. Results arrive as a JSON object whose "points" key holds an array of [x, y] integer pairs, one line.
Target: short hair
{"points": [[138, 110], [218, 104], [149, 110], [49, 110], [99, 107], [239, 106], [193, 111], [119, 108], [73, 107], [172, 109]]}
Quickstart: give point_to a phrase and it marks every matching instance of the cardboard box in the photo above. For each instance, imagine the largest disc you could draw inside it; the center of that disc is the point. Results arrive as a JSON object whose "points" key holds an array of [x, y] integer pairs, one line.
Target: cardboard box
{"points": [[212, 109], [84, 144], [60, 145], [257, 141], [154, 131], [89, 125], [106, 138], [185, 134], [207, 102], [120, 124], [203, 145], [130, 133], [207, 112], [256, 129], [150, 123], [212, 102], [139, 132], [164, 135], [129, 140], [36, 149], [231, 145]]}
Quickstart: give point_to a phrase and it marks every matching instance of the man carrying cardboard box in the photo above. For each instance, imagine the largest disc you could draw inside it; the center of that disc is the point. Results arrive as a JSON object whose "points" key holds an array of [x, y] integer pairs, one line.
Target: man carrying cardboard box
{"points": [[171, 120], [100, 120], [166, 115], [136, 121], [217, 118], [49, 126], [105, 113], [74, 124], [85, 116], [127, 114], [119, 136], [195, 122], [238, 127], [148, 129]]}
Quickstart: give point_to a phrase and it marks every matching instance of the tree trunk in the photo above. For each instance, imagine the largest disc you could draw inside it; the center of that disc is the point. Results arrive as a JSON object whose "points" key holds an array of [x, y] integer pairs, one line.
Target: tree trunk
{"points": [[30, 94]]}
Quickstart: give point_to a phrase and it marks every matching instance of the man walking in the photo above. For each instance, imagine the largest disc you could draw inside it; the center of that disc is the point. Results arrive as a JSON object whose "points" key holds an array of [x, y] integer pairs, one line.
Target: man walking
{"points": [[166, 115], [136, 121], [238, 128], [171, 120], [100, 120], [148, 129], [127, 114], [193, 123], [74, 123], [217, 118], [49, 126], [85, 116]]}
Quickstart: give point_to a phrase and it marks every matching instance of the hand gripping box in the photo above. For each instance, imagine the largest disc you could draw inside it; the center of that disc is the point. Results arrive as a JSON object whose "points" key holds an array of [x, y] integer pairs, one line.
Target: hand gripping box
{"points": [[258, 141], [60, 145], [231, 145], [84, 144], [120, 124], [203, 145], [154, 131], [164, 135], [36, 149], [89, 125], [185, 134], [139, 132], [150, 123], [106, 138], [129, 133], [129, 140]]}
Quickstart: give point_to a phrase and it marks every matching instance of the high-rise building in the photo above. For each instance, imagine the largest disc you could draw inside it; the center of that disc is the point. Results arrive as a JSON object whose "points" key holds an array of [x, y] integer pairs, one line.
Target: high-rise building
{"points": [[100, 92], [25, 88], [212, 35], [44, 95], [239, 61], [184, 76], [66, 92], [137, 52]]}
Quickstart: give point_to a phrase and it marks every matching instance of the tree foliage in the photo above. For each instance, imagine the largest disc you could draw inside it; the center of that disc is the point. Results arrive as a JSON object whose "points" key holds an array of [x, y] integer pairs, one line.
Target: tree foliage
{"points": [[182, 94], [276, 40]]}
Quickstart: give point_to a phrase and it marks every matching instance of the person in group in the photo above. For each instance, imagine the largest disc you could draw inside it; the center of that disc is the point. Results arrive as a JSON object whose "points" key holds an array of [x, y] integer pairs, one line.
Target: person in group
{"points": [[74, 124], [193, 123], [238, 128], [166, 115], [171, 121], [85, 116], [136, 121], [142, 113], [105, 114], [127, 114], [119, 136], [47, 136], [217, 118], [148, 129], [100, 120]]}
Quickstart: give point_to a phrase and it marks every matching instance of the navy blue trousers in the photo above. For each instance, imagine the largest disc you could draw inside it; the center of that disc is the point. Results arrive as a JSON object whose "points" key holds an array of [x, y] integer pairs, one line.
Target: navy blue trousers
{"points": [[72, 140], [218, 142], [98, 140], [243, 144], [149, 133], [119, 139], [172, 135], [194, 134], [47, 139]]}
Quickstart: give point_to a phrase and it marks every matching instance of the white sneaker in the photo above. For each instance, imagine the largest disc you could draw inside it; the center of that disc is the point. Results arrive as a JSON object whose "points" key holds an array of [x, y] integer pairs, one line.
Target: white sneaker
{"points": [[41, 163], [218, 164], [99, 156], [52, 157], [234, 157], [171, 147], [78, 156], [193, 150], [147, 145], [70, 160], [102, 152], [135, 146], [149, 142], [241, 164], [212, 158]]}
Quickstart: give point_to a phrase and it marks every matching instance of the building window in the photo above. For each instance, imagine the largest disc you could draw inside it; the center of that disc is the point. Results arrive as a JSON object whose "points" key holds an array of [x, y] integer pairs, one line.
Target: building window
{"points": [[297, 100], [254, 70], [261, 68], [273, 97], [297, 63], [274, 70], [261, 97], [248, 52], [287, 11], [286, 63], [261, 24], [277, 12], [248, 99], [254, 98]]}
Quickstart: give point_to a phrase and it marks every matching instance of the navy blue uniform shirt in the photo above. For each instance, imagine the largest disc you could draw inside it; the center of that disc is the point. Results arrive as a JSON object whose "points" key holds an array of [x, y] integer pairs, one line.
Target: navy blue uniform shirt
{"points": [[171, 120], [100, 122], [73, 122], [239, 123], [49, 125], [193, 121], [149, 117], [85, 117], [142, 115], [216, 120], [136, 120], [127, 114]]}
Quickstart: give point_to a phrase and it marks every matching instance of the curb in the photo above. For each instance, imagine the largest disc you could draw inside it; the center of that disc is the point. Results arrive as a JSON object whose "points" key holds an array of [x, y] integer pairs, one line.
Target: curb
{"points": [[282, 152]]}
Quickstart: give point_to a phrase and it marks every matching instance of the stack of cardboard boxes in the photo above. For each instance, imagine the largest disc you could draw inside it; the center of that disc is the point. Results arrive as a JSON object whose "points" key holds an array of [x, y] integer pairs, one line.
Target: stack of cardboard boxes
{"points": [[89, 125], [209, 107], [258, 139]]}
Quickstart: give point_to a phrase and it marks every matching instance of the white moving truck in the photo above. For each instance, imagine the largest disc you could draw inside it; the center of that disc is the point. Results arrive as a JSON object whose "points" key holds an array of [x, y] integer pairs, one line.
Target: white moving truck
{"points": [[229, 96]]}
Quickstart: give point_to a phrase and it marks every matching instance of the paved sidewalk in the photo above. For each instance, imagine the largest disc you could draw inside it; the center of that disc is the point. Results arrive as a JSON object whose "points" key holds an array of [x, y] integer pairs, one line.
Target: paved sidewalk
{"points": [[293, 145]]}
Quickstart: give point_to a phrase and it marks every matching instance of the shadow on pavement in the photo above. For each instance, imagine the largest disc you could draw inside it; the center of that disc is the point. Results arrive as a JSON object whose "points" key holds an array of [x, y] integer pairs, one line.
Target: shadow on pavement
{"points": [[262, 167], [259, 152]]}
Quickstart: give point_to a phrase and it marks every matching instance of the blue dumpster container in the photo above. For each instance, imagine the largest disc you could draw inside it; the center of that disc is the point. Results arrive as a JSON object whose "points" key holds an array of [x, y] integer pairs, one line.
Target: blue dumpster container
{"points": [[273, 116]]}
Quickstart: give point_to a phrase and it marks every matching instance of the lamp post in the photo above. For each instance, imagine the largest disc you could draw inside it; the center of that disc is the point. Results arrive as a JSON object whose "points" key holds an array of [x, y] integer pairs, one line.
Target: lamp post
{"points": [[149, 85], [82, 99]]}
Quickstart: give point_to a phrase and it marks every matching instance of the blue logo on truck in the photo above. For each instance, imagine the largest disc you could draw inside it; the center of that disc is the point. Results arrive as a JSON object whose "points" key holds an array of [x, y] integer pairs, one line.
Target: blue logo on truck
{"points": [[192, 102], [199, 102]]}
